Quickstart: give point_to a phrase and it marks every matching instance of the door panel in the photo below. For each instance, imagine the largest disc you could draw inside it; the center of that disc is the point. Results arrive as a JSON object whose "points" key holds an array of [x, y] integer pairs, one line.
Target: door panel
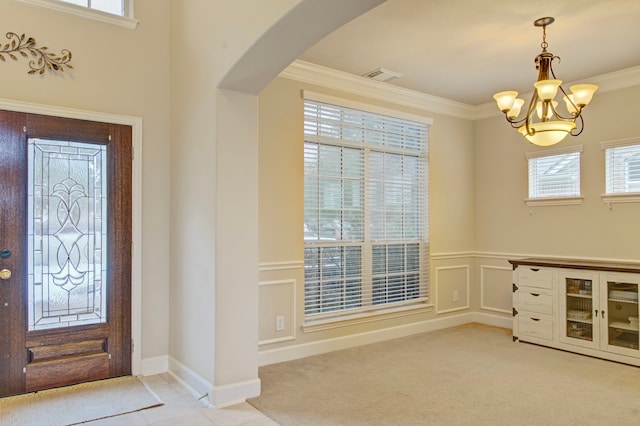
{"points": [[64, 252]]}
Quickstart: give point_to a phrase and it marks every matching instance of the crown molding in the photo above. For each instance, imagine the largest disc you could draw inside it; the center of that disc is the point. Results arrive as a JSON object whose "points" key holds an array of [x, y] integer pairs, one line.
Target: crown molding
{"points": [[311, 73], [308, 72], [609, 82]]}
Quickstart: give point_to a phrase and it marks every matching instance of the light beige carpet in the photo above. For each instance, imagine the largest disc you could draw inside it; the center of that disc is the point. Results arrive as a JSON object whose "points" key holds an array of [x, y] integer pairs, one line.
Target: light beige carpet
{"points": [[467, 375], [77, 404]]}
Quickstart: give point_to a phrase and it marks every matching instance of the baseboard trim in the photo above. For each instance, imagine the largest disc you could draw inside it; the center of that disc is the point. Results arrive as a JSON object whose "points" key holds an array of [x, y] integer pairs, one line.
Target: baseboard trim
{"points": [[493, 320], [224, 396], [216, 396], [154, 365], [290, 353], [304, 350], [192, 381]]}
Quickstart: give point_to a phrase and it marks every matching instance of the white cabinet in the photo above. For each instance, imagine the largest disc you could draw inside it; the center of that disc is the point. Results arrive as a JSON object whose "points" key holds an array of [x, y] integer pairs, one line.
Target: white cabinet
{"points": [[585, 307]]}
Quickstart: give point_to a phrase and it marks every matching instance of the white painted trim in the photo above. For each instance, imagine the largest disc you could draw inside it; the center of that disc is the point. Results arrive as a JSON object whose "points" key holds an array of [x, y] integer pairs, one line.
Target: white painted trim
{"points": [[192, 381], [84, 12], [361, 106], [289, 353], [629, 197], [554, 151], [553, 201], [366, 317], [308, 72], [217, 396], [236, 393], [292, 336], [610, 82], [482, 305], [493, 320], [452, 255], [277, 266], [136, 261], [437, 286], [620, 143], [154, 365]]}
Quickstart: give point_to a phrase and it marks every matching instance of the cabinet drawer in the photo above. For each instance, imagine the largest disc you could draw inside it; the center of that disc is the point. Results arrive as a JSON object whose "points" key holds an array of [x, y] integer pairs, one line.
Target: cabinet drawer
{"points": [[535, 302], [531, 276], [535, 326]]}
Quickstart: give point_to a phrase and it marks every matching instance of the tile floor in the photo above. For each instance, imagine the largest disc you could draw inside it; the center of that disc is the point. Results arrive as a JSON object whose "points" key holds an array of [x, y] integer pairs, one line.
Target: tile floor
{"points": [[181, 408]]}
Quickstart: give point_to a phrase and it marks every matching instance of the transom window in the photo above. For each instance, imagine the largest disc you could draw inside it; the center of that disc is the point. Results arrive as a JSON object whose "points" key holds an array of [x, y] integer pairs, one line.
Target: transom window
{"points": [[554, 173], [116, 7], [115, 12], [365, 209]]}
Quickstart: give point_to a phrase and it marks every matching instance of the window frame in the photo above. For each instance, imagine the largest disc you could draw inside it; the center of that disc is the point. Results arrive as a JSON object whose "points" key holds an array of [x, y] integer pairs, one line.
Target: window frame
{"points": [[126, 21], [610, 198], [324, 320], [555, 200]]}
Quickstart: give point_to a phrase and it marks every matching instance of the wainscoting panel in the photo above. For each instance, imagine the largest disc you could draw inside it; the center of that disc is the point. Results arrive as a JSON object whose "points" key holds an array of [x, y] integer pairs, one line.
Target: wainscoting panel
{"points": [[495, 288], [452, 288], [277, 311]]}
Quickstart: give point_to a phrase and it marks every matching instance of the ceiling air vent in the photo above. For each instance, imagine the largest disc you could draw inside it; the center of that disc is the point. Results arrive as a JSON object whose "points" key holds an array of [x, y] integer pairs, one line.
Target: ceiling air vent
{"points": [[382, 74]]}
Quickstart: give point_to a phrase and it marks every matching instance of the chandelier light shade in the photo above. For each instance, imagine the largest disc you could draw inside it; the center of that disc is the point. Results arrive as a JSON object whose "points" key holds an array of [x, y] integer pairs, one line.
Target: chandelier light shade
{"points": [[543, 124]]}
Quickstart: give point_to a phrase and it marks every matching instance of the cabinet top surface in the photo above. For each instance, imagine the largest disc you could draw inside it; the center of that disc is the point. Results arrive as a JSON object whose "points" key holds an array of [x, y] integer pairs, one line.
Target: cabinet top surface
{"points": [[578, 264]]}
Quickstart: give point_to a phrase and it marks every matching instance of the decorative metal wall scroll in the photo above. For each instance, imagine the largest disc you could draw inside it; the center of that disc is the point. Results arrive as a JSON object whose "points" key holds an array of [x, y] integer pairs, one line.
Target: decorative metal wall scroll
{"points": [[41, 58]]}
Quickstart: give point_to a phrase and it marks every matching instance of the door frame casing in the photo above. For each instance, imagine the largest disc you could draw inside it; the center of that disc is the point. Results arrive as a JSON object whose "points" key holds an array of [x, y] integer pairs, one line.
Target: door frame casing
{"points": [[136, 251]]}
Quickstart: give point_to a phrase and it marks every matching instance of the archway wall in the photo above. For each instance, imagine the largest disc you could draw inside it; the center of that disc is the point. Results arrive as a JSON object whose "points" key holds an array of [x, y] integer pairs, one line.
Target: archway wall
{"points": [[222, 54]]}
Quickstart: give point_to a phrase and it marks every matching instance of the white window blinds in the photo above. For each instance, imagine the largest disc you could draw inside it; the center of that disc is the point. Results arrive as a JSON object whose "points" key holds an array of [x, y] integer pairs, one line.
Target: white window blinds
{"points": [[554, 173], [365, 210], [116, 7], [622, 166]]}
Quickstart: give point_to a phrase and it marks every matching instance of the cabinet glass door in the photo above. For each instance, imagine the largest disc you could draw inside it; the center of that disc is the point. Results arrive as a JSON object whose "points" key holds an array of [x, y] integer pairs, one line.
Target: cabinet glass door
{"points": [[622, 316], [579, 308]]}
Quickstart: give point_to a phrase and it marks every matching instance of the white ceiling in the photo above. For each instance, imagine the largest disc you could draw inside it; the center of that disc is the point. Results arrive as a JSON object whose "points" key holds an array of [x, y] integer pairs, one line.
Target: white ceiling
{"points": [[466, 50]]}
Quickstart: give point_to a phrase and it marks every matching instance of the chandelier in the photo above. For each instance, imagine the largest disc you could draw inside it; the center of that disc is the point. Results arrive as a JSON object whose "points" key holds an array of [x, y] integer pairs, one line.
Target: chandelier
{"points": [[543, 124]]}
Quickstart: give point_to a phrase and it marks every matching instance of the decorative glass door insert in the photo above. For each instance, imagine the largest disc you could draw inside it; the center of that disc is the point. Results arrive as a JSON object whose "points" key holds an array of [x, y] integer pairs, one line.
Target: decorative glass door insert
{"points": [[579, 308], [623, 314], [67, 228]]}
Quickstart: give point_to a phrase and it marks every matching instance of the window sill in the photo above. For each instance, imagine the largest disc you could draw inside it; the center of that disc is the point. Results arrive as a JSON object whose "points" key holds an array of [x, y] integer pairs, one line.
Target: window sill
{"points": [[630, 197], [366, 317], [553, 201], [122, 21]]}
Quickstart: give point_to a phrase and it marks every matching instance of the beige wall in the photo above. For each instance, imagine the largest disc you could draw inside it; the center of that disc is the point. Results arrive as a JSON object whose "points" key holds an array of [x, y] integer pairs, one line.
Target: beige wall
{"points": [[478, 217], [281, 214], [214, 175], [118, 71], [505, 224]]}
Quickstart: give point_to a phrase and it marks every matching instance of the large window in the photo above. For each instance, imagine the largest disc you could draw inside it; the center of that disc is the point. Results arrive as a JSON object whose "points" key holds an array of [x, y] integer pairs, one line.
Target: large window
{"points": [[365, 209], [554, 173], [622, 163]]}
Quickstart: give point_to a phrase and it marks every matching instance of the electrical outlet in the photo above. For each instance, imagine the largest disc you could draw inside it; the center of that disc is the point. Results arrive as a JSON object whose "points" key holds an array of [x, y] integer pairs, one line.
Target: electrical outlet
{"points": [[456, 295], [280, 323]]}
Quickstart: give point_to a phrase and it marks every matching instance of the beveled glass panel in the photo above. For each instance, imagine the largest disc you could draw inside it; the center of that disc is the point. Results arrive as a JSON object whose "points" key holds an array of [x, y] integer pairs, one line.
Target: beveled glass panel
{"points": [[67, 234]]}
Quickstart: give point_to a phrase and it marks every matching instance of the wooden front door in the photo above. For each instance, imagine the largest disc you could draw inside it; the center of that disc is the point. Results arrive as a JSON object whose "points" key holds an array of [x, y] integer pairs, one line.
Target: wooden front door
{"points": [[65, 251]]}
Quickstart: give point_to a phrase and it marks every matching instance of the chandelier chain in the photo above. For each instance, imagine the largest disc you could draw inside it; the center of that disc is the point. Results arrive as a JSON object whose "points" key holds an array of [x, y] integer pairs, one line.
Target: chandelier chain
{"points": [[544, 43]]}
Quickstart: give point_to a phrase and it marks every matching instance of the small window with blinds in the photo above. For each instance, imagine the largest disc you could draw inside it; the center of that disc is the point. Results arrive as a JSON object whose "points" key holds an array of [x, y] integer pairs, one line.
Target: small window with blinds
{"points": [[365, 210], [622, 164], [554, 174], [116, 7]]}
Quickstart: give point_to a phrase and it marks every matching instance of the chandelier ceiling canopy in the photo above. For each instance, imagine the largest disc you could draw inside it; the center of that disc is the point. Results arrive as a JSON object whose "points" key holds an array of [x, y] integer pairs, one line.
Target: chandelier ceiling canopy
{"points": [[543, 124]]}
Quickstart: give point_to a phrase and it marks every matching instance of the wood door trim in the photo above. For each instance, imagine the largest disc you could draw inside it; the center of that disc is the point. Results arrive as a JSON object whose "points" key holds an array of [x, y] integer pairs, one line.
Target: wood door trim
{"points": [[13, 228]]}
